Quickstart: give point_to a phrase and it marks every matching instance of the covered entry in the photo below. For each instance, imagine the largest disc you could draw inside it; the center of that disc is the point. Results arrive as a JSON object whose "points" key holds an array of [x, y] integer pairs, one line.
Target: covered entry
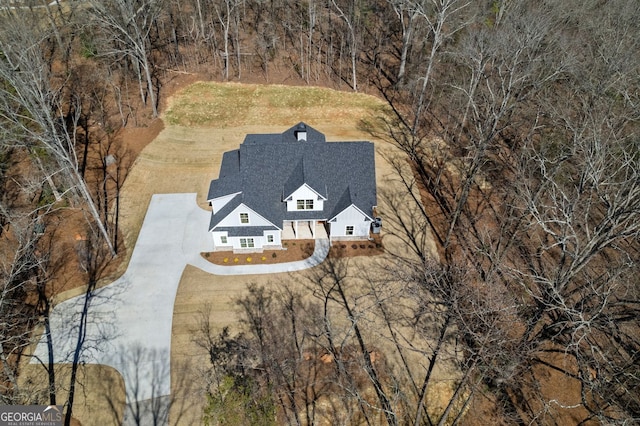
{"points": [[304, 229]]}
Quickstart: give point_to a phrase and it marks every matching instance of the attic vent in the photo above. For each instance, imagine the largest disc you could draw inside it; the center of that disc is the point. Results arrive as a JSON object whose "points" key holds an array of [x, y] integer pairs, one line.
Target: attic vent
{"points": [[301, 132]]}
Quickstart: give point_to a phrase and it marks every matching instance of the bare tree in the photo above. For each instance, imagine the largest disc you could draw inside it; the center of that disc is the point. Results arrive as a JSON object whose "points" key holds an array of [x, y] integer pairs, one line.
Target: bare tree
{"points": [[20, 267], [350, 13], [34, 112], [407, 14], [526, 172], [126, 26], [233, 381]]}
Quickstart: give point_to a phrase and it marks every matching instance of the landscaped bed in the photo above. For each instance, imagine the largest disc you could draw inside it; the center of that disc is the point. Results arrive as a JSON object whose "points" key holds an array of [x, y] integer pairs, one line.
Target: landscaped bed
{"points": [[295, 250]]}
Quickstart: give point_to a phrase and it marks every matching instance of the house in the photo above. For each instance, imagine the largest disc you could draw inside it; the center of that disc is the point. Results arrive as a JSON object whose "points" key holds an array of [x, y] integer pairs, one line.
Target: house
{"points": [[292, 185]]}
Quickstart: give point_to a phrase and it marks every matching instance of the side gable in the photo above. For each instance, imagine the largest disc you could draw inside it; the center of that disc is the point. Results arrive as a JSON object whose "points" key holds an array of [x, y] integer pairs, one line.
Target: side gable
{"points": [[305, 191], [229, 180], [232, 218], [350, 223], [346, 210], [351, 214], [218, 203], [309, 199], [288, 136], [312, 135]]}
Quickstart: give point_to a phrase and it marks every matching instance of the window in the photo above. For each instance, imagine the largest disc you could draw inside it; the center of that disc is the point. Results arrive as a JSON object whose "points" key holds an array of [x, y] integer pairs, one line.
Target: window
{"points": [[305, 204], [349, 230], [223, 239], [244, 217], [246, 242], [269, 238]]}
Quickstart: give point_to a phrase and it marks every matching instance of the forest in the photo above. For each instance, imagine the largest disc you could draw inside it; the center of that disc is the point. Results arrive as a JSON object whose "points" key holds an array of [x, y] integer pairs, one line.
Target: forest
{"points": [[518, 122]]}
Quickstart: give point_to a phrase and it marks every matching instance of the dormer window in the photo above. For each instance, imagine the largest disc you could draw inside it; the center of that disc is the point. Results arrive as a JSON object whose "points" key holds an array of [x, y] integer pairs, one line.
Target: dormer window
{"points": [[244, 217], [305, 204]]}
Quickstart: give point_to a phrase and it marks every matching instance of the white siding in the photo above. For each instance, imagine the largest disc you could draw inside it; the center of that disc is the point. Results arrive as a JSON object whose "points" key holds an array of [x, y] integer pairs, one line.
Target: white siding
{"points": [[351, 216], [305, 193], [220, 202], [233, 218], [234, 243], [259, 242], [218, 243], [277, 240]]}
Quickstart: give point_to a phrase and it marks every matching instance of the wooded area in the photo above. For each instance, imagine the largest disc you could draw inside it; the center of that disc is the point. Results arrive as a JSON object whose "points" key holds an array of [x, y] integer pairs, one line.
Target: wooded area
{"points": [[519, 121]]}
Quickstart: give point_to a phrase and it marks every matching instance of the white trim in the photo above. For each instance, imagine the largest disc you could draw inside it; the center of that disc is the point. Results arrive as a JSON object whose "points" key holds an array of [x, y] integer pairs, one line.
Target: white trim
{"points": [[355, 207], [224, 200], [233, 219], [320, 196], [249, 242]]}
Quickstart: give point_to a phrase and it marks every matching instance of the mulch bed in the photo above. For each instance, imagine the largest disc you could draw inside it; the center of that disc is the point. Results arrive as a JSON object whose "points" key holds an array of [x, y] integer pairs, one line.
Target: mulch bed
{"points": [[296, 250]]}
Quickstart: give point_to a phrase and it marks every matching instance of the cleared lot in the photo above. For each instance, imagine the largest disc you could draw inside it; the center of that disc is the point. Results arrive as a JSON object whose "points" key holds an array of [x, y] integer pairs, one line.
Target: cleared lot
{"points": [[202, 122]]}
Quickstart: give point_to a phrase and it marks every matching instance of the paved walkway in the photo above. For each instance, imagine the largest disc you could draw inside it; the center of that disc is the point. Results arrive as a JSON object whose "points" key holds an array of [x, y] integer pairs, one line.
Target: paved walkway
{"points": [[134, 313]]}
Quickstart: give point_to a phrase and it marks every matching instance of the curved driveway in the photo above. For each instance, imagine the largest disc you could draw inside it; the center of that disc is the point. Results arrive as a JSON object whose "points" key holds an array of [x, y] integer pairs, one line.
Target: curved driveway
{"points": [[135, 312]]}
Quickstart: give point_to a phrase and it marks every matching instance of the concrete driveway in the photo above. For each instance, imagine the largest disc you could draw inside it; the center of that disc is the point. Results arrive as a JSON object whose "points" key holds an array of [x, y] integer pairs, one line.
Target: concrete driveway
{"points": [[134, 313]]}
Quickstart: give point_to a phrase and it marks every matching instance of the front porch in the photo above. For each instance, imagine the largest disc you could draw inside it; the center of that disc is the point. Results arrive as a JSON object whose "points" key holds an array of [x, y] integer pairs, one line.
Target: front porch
{"points": [[304, 230]]}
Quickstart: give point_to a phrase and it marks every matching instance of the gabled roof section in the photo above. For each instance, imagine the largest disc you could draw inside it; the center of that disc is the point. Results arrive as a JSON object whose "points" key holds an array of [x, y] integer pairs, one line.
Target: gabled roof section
{"points": [[288, 136], [302, 175], [313, 136], [343, 202], [295, 181], [225, 211], [229, 180]]}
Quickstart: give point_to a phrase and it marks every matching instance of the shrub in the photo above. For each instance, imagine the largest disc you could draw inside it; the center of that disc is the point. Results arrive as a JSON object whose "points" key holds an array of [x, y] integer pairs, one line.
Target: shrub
{"points": [[354, 246], [225, 260], [274, 255], [249, 259], [362, 246], [236, 260]]}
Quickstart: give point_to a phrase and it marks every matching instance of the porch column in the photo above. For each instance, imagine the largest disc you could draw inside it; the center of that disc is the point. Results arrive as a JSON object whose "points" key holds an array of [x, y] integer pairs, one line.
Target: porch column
{"points": [[296, 229], [313, 229]]}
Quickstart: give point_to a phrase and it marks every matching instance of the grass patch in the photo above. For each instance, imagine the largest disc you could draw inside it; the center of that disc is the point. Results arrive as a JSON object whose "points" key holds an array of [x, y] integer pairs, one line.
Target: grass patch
{"points": [[222, 105]]}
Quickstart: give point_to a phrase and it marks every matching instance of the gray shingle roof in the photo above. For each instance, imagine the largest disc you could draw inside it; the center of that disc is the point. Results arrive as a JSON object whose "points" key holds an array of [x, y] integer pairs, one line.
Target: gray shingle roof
{"points": [[245, 231], [228, 181], [267, 168]]}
